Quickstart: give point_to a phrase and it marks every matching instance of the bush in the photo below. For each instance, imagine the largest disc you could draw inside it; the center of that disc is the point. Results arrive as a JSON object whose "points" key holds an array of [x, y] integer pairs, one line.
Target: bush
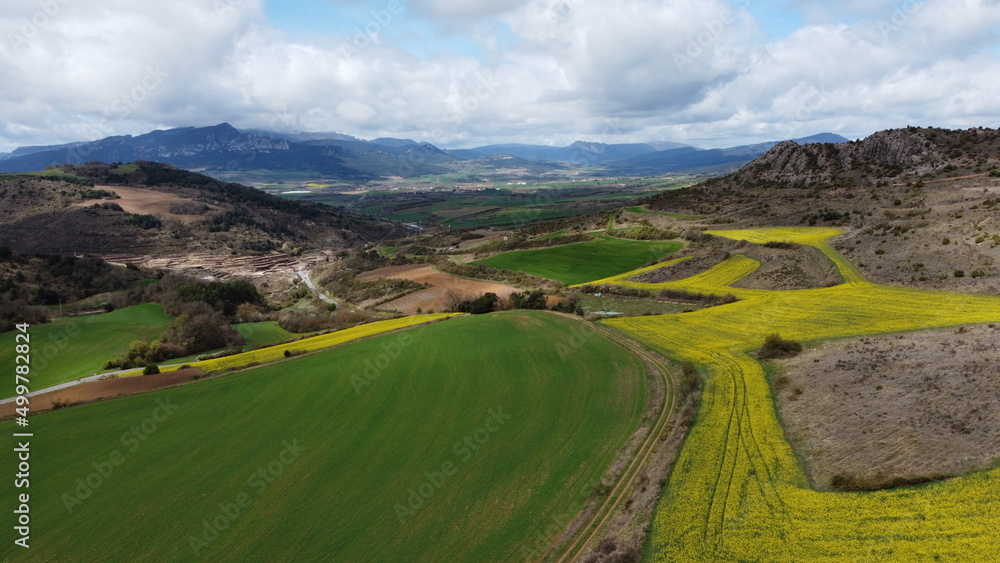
{"points": [[690, 379], [188, 208], [782, 245], [569, 305], [776, 347], [483, 304], [145, 221], [140, 353], [645, 233], [151, 369], [534, 299]]}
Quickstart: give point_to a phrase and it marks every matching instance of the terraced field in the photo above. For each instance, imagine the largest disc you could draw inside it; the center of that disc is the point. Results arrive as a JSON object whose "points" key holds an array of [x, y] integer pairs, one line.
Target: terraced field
{"points": [[449, 442], [737, 492], [583, 262], [814, 236]]}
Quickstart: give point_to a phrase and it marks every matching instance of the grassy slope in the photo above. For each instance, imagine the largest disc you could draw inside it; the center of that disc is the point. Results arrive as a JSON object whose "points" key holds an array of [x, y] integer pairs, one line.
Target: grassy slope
{"points": [[632, 307], [263, 333], [584, 261], [363, 451], [75, 347]]}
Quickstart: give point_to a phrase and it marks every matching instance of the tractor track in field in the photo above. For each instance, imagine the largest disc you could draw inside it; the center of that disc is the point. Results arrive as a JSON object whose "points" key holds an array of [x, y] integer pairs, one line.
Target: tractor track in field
{"points": [[575, 547]]}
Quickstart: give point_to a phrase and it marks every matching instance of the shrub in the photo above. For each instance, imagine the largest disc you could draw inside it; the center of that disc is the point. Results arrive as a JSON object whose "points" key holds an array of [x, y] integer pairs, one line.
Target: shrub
{"points": [[145, 221], [645, 233], [151, 369], [779, 244], [480, 305], [776, 347], [188, 208], [690, 379], [534, 299]]}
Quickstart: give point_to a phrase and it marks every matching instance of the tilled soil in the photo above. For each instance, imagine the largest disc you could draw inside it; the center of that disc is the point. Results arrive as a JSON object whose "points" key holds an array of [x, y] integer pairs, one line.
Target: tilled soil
{"points": [[103, 389], [150, 202], [434, 298]]}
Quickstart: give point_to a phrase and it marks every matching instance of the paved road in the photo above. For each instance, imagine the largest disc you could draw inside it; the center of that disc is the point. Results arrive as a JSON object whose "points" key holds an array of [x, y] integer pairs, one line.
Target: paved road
{"points": [[68, 384], [305, 277], [302, 274]]}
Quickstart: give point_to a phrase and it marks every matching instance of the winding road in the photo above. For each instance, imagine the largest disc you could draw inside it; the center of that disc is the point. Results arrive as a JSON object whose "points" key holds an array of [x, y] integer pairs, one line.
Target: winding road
{"points": [[304, 275]]}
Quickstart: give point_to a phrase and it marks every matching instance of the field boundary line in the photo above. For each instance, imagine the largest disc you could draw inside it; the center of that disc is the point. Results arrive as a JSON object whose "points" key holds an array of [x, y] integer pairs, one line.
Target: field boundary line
{"points": [[576, 544]]}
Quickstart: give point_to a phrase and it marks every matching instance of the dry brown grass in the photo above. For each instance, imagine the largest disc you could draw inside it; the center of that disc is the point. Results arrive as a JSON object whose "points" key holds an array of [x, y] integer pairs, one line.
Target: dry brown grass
{"points": [[149, 202], [434, 298], [893, 410]]}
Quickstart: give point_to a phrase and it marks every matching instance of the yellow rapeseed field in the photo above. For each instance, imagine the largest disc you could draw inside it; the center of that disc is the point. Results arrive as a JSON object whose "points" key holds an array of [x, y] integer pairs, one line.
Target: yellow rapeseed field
{"points": [[737, 492], [311, 344]]}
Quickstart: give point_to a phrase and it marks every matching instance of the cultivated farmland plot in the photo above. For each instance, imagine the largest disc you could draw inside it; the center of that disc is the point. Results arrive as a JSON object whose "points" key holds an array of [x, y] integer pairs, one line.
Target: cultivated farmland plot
{"points": [[453, 441], [583, 262], [737, 492], [75, 347]]}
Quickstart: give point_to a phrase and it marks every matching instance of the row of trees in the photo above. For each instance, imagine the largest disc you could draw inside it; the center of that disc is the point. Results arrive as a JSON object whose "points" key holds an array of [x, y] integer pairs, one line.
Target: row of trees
{"points": [[489, 302]]}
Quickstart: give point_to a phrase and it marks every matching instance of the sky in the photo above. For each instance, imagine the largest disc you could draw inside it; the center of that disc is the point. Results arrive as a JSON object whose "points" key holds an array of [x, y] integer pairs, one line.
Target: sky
{"points": [[463, 73]]}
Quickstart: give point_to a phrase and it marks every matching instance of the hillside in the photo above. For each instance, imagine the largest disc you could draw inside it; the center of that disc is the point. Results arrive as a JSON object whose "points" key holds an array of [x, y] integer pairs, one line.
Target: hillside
{"points": [[919, 204], [154, 209]]}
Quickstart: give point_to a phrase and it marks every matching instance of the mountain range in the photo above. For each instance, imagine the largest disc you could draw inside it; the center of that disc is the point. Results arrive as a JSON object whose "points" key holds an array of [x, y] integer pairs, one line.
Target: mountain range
{"points": [[222, 148]]}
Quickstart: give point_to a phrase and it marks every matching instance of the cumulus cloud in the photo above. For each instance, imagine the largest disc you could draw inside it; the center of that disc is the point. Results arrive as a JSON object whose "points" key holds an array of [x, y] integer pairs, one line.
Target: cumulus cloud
{"points": [[464, 10], [550, 71]]}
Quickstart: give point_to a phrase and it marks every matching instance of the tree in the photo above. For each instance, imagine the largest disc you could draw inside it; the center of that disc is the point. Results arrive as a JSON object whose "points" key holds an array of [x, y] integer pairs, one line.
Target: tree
{"points": [[224, 296], [452, 298], [199, 328], [534, 299], [151, 369], [483, 304], [247, 313]]}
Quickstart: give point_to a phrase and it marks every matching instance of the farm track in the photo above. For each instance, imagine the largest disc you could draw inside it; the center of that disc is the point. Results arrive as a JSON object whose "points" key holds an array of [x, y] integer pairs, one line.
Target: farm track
{"points": [[589, 531]]}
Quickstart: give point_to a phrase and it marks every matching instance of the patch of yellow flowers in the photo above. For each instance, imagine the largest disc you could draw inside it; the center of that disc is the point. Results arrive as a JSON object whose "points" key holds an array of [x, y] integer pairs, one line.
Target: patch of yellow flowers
{"points": [[737, 492], [273, 353]]}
